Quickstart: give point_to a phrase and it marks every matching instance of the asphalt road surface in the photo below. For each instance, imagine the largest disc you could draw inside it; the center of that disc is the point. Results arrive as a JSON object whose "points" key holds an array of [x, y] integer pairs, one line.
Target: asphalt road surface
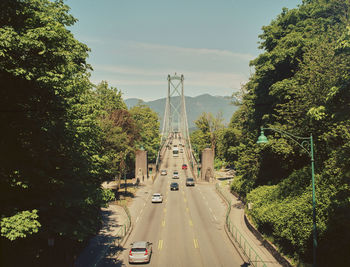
{"points": [[187, 229]]}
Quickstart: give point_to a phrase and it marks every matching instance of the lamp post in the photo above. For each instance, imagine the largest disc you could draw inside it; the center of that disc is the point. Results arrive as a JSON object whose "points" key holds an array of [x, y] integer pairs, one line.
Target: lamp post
{"points": [[306, 143], [125, 184]]}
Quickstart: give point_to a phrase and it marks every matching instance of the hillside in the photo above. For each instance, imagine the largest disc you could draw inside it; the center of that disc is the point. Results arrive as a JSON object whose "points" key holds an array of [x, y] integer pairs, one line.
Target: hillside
{"points": [[195, 106]]}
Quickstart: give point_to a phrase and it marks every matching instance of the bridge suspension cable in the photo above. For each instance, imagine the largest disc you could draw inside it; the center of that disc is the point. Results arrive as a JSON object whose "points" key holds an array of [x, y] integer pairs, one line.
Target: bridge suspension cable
{"points": [[175, 121]]}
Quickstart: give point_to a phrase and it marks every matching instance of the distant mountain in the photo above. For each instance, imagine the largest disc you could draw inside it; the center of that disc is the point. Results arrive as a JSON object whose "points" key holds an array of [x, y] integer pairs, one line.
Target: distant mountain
{"points": [[195, 106], [130, 102]]}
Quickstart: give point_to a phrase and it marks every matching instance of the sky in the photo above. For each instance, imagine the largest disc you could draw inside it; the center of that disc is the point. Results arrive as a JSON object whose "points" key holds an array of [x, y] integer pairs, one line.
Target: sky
{"points": [[135, 44]]}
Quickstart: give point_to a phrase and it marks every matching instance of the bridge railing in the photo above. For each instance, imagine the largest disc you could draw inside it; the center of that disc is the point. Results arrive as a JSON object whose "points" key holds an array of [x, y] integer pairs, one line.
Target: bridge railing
{"points": [[243, 243]]}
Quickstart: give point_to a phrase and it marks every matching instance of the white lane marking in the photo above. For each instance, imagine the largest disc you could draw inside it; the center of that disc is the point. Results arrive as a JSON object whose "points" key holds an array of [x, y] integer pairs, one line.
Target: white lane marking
{"points": [[144, 204], [137, 219], [211, 210], [215, 217]]}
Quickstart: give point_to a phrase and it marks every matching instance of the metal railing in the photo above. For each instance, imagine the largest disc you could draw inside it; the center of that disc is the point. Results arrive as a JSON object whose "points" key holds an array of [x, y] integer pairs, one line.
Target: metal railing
{"points": [[117, 239], [120, 235], [248, 250]]}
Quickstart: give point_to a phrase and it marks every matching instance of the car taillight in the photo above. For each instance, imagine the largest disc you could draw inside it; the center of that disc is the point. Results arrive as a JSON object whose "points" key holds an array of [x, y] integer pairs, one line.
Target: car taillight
{"points": [[146, 252], [130, 253]]}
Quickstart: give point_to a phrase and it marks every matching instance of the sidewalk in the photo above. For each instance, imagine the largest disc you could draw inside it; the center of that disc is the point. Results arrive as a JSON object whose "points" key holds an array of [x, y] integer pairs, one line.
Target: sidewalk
{"points": [[115, 221], [245, 240]]}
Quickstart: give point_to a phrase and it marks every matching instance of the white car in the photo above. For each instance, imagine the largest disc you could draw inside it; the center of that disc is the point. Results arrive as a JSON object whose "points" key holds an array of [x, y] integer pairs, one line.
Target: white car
{"points": [[163, 172], [157, 198], [176, 175]]}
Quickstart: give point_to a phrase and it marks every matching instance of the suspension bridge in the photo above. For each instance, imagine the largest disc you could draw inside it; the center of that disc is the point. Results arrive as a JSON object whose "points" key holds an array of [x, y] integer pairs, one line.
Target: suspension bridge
{"points": [[175, 126]]}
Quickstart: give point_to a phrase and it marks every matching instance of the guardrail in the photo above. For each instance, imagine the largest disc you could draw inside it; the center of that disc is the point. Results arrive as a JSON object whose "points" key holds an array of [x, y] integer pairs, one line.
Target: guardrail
{"points": [[115, 240], [248, 250]]}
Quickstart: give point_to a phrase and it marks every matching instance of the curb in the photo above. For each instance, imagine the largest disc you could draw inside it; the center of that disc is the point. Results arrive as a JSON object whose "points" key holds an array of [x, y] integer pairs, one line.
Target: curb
{"points": [[237, 247], [125, 238], [234, 243], [268, 245]]}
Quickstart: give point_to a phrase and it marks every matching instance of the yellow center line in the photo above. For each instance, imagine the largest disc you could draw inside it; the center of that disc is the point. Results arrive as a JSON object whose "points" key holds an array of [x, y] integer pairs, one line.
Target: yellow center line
{"points": [[191, 223], [185, 200], [186, 209], [163, 223], [164, 209], [160, 244], [195, 242]]}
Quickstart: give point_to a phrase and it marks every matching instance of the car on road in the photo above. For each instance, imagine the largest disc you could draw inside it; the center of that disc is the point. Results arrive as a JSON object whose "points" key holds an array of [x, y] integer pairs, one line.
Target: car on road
{"points": [[181, 150], [157, 198], [163, 172], [189, 182], [176, 175], [140, 251], [184, 166], [174, 186]]}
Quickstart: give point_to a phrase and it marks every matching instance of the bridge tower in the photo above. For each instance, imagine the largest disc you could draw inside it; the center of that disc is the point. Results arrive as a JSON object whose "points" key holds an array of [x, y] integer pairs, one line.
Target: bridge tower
{"points": [[175, 119]]}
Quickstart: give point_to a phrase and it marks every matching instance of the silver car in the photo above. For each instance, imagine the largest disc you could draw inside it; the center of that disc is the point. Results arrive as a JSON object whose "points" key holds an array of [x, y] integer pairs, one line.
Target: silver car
{"points": [[140, 251]]}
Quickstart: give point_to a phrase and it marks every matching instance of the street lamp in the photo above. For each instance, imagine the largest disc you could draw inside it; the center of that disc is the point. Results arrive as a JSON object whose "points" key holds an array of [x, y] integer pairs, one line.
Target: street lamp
{"points": [[307, 144]]}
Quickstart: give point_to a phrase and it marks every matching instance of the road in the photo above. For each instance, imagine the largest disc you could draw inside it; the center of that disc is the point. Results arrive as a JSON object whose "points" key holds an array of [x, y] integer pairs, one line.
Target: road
{"points": [[187, 229]]}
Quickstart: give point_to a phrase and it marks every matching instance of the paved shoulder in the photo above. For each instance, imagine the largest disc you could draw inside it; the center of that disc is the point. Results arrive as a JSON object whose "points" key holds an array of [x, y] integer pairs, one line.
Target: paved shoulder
{"points": [[114, 219], [249, 243]]}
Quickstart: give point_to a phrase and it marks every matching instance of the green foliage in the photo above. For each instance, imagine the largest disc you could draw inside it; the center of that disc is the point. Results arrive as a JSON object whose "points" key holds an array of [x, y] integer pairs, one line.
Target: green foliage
{"points": [[61, 137], [210, 130], [301, 86], [219, 164], [228, 144], [119, 132], [20, 225], [107, 196], [199, 141], [147, 122]]}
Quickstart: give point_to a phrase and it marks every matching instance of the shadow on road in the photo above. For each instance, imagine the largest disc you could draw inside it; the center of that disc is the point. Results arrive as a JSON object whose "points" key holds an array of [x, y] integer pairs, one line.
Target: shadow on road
{"points": [[111, 259]]}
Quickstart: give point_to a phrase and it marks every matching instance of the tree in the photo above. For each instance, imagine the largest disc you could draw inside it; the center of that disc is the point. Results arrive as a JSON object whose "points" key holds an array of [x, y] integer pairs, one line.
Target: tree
{"points": [[147, 123], [300, 85], [51, 168], [210, 125]]}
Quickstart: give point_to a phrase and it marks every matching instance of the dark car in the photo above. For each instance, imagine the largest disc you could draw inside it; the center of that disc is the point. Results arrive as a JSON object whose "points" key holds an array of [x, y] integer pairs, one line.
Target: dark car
{"points": [[184, 166], [174, 186], [189, 182]]}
